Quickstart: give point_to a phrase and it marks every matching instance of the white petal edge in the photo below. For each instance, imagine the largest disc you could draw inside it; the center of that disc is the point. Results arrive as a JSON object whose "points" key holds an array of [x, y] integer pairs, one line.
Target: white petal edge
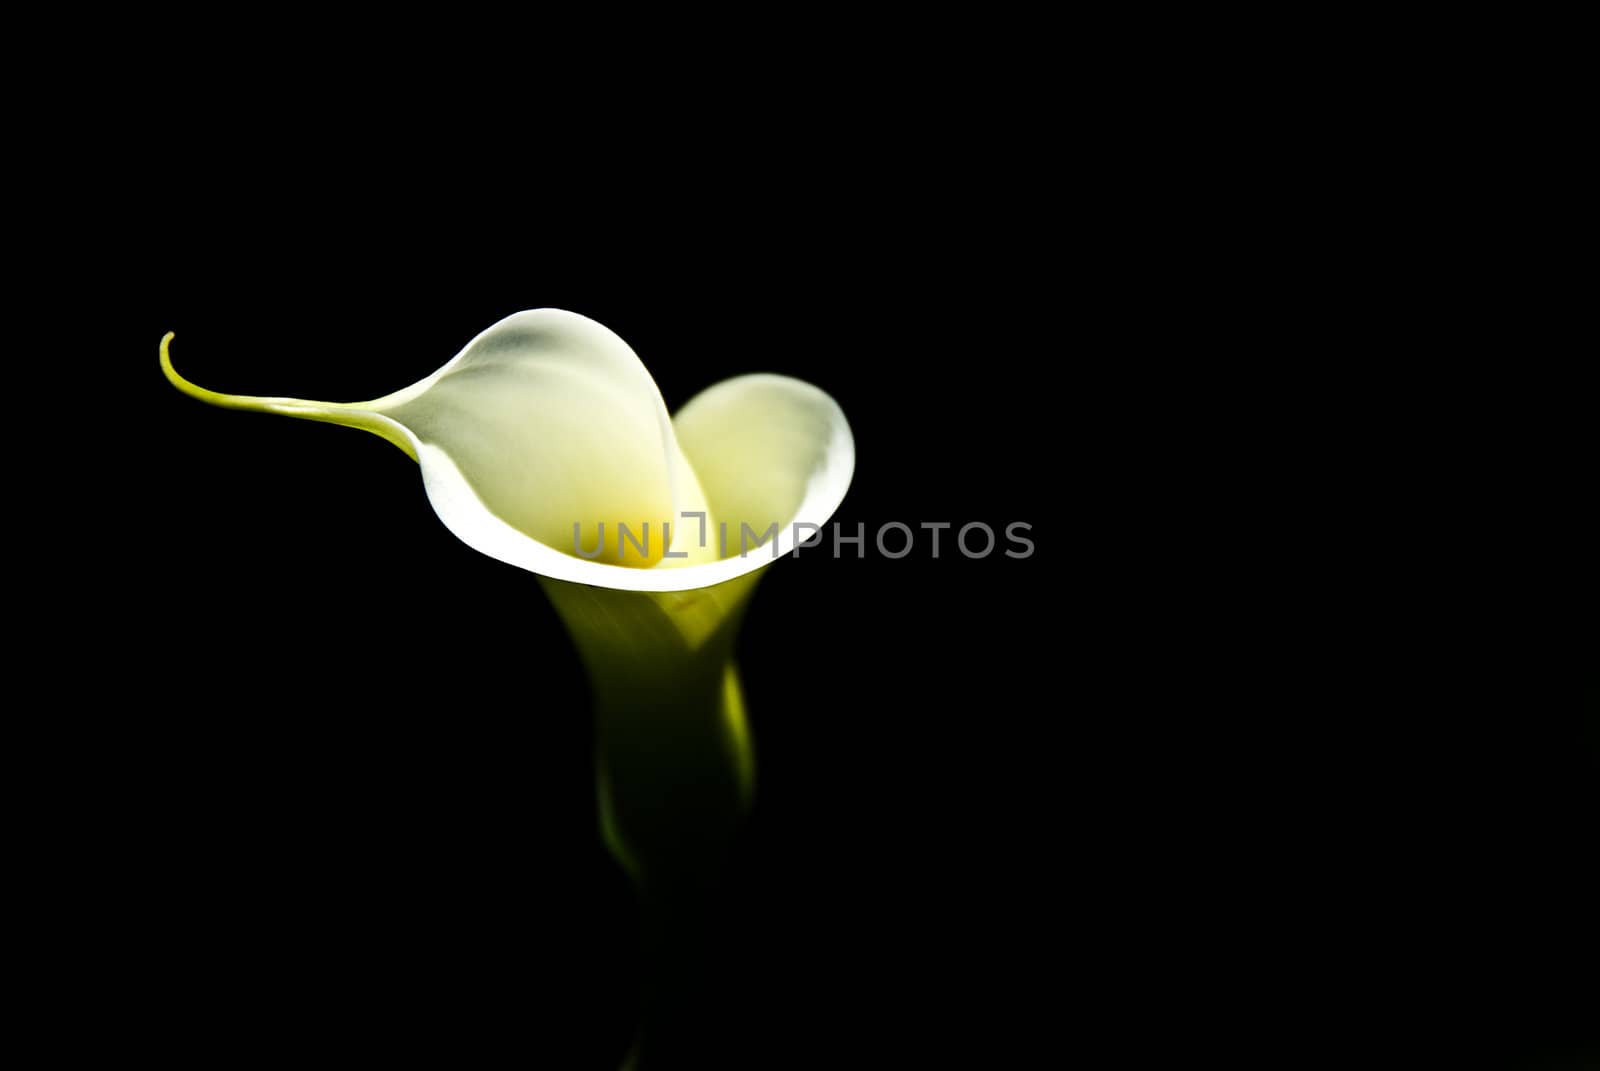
{"points": [[553, 419], [465, 515]]}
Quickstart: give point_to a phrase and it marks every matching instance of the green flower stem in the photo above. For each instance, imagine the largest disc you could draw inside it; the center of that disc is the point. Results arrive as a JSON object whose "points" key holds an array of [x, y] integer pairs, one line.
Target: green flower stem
{"points": [[675, 775]]}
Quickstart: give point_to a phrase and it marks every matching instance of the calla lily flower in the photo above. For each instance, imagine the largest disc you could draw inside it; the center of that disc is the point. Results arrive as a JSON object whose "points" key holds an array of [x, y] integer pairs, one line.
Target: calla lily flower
{"points": [[546, 444]]}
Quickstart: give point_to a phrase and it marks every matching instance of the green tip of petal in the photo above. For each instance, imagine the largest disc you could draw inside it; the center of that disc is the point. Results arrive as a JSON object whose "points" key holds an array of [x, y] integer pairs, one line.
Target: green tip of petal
{"points": [[182, 384], [351, 416]]}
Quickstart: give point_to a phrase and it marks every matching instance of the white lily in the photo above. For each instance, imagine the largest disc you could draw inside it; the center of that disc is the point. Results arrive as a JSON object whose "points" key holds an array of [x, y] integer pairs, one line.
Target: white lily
{"points": [[543, 429]]}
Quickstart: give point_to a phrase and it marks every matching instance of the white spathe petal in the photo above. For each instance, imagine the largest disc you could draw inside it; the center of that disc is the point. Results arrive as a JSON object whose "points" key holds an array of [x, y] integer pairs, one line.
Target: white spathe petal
{"points": [[551, 420], [768, 450], [548, 419]]}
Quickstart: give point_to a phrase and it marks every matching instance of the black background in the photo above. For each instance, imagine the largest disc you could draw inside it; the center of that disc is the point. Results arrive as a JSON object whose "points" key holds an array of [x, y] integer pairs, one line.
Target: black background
{"points": [[1195, 779]]}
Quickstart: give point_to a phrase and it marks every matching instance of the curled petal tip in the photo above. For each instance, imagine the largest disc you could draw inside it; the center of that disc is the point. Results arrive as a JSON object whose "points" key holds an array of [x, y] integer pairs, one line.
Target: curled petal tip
{"points": [[166, 363], [210, 397], [349, 415]]}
